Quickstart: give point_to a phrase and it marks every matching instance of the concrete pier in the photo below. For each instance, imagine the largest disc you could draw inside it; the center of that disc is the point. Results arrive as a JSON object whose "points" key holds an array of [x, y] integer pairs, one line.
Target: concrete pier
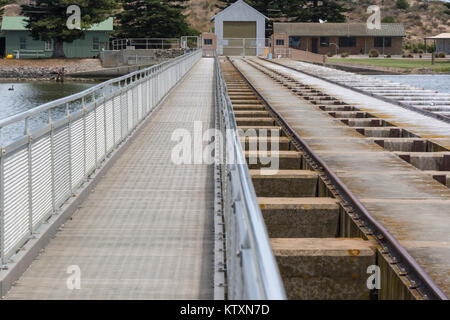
{"points": [[146, 231], [407, 201]]}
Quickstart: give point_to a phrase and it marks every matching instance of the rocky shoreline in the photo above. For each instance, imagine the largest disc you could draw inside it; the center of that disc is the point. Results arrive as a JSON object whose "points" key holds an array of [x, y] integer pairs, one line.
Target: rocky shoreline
{"points": [[39, 73]]}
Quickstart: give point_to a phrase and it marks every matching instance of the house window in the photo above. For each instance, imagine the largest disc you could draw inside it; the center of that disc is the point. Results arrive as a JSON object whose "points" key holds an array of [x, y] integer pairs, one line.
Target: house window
{"points": [[347, 42], [280, 42], [208, 42], [378, 42], [294, 42], [49, 45], [388, 42], [23, 43], [95, 44], [324, 41]]}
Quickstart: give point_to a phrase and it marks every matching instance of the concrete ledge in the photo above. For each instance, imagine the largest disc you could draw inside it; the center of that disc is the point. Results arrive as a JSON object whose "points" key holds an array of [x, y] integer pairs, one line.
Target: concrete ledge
{"points": [[287, 160], [257, 129], [434, 161], [300, 217], [241, 121], [240, 106], [440, 176], [285, 183], [284, 143], [327, 268]]}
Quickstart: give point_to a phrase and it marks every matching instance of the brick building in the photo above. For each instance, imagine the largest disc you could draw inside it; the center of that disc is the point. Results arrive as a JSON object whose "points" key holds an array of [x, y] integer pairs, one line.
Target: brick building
{"points": [[354, 38]]}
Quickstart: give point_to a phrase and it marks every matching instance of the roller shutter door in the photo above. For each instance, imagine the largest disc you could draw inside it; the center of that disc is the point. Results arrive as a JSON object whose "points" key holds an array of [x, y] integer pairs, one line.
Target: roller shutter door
{"points": [[234, 33]]}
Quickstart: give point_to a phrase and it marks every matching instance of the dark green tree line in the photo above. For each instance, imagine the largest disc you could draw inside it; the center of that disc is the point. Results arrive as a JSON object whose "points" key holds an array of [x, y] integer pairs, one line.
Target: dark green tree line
{"points": [[297, 10], [153, 19]]}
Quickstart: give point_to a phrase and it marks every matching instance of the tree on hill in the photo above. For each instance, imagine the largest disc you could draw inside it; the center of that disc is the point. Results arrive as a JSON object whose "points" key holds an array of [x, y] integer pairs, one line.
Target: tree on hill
{"points": [[402, 4], [47, 19], [312, 11], [153, 19]]}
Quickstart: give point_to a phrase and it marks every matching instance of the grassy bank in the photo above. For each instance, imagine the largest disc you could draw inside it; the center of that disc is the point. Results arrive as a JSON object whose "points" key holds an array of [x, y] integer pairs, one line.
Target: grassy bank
{"points": [[408, 64]]}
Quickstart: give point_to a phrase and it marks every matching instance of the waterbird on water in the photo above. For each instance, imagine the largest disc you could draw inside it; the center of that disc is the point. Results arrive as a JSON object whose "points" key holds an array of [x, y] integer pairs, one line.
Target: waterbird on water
{"points": [[12, 88]]}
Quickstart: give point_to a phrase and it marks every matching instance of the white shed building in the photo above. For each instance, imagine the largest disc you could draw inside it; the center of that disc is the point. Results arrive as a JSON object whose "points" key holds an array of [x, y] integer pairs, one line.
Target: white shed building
{"points": [[240, 30]]}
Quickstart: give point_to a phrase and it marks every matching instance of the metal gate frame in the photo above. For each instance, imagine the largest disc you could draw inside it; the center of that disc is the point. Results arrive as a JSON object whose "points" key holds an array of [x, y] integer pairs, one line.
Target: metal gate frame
{"points": [[244, 44]]}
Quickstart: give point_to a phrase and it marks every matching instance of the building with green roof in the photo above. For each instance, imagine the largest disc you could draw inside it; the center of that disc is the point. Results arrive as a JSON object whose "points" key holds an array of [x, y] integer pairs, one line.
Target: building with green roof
{"points": [[15, 39]]}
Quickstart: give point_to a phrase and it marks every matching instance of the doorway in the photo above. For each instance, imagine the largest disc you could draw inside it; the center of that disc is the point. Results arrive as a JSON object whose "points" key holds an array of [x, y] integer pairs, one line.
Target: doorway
{"points": [[239, 38], [2, 46], [314, 45]]}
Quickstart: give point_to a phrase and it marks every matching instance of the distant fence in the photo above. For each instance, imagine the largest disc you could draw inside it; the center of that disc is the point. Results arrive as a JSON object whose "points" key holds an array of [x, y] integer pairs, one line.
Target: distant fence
{"points": [[29, 54], [145, 43], [243, 46], [299, 55]]}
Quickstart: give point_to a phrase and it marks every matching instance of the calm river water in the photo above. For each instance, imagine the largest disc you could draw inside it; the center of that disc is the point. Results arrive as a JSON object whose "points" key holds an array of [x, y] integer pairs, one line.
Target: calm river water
{"points": [[28, 95]]}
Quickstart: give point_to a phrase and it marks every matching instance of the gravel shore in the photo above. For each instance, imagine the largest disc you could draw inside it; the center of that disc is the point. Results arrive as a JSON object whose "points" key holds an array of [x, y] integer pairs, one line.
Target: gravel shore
{"points": [[45, 68]]}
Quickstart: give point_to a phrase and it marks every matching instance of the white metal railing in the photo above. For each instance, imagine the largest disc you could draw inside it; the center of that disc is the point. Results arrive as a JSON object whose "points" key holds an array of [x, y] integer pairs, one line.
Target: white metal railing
{"points": [[53, 149], [30, 53], [145, 43], [282, 53], [252, 271]]}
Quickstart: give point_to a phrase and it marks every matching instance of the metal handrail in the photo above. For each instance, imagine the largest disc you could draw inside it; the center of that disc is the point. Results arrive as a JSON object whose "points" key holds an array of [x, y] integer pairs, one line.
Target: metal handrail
{"points": [[56, 103], [118, 44], [45, 167], [252, 271]]}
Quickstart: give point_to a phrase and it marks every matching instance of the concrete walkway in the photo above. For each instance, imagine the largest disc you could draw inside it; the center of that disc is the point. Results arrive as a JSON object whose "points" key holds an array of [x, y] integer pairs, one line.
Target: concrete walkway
{"points": [[146, 232]]}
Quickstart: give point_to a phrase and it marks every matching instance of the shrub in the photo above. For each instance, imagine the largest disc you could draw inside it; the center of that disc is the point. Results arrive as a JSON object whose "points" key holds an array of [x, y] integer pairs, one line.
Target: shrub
{"points": [[329, 54], [431, 48], [424, 6], [420, 51], [402, 4], [388, 19], [345, 54], [440, 55], [388, 56], [410, 56], [373, 53]]}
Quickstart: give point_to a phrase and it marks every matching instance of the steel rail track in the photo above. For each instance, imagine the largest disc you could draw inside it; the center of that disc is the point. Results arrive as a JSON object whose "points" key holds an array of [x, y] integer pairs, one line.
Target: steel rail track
{"points": [[374, 95], [418, 278]]}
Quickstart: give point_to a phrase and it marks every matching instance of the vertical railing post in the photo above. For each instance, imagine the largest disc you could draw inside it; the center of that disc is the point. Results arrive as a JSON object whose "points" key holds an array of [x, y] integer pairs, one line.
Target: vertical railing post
{"points": [[30, 189], [52, 159], [121, 110], [104, 121], [127, 107], [113, 97], [85, 174], [2, 204], [70, 147], [95, 130]]}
